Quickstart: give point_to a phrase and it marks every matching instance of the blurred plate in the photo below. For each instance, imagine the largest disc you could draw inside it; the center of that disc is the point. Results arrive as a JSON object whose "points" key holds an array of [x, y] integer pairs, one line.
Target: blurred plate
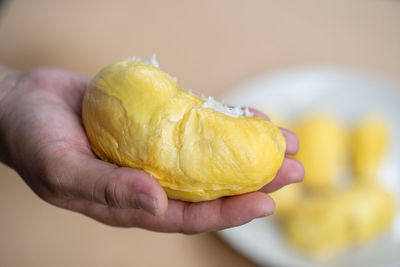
{"points": [[348, 94]]}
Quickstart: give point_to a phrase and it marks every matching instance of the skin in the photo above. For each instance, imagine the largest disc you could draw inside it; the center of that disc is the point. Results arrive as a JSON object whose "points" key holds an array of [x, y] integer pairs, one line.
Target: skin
{"points": [[42, 138]]}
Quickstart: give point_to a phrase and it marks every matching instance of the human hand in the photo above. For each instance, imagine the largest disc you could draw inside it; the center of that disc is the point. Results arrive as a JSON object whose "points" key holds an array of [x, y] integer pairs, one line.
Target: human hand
{"points": [[42, 138]]}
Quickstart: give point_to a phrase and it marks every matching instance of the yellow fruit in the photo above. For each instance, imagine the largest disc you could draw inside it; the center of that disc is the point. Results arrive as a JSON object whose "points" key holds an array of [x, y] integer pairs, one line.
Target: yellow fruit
{"points": [[318, 225], [371, 210], [135, 115], [287, 199], [326, 223], [370, 144], [332, 215], [323, 151]]}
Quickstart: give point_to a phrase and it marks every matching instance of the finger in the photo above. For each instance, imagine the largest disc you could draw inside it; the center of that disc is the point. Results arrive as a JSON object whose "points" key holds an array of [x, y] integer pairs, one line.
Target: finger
{"points": [[292, 142], [184, 217], [291, 171], [225, 212], [95, 180]]}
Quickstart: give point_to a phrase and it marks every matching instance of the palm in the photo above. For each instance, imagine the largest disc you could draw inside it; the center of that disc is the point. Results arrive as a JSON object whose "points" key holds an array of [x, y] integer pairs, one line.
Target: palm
{"points": [[47, 128]]}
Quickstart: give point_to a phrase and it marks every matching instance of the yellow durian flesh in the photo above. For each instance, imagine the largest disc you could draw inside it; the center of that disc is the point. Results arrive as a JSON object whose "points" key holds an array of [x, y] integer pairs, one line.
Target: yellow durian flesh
{"points": [[287, 199], [325, 223], [331, 211], [371, 210], [323, 151], [318, 225], [370, 139], [135, 115]]}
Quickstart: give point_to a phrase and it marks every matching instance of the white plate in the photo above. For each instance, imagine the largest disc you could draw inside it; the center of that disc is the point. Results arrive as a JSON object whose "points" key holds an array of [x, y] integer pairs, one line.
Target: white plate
{"points": [[348, 94]]}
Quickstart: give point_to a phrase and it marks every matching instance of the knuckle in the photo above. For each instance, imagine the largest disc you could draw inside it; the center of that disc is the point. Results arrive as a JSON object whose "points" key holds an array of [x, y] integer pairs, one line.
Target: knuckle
{"points": [[50, 173], [41, 78], [113, 195], [36, 77], [110, 197], [188, 226]]}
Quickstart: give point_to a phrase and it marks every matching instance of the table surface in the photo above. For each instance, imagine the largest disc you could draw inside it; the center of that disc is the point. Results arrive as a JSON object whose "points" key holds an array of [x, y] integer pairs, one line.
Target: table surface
{"points": [[210, 46]]}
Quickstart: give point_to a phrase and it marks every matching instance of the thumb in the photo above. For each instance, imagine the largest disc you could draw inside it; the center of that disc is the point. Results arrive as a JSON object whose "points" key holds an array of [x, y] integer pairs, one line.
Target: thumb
{"points": [[108, 184]]}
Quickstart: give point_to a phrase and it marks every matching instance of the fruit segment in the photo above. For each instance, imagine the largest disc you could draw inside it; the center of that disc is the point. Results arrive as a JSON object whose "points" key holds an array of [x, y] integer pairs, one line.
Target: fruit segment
{"points": [[135, 115]]}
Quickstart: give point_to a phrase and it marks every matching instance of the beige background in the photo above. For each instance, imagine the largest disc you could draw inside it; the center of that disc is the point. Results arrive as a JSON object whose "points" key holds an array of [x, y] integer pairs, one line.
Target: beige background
{"points": [[210, 46]]}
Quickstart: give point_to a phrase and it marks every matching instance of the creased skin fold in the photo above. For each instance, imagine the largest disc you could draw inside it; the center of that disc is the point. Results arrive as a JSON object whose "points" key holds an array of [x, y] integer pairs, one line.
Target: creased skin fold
{"points": [[135, 115]]}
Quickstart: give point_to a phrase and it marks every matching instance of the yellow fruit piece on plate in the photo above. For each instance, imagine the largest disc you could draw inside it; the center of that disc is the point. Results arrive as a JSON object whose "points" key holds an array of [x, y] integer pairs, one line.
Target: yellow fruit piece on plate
{"points": [[318, 225], [371, 211], [287, 199], [370, 144], [323, 150], [326, 223], [135, 115]]}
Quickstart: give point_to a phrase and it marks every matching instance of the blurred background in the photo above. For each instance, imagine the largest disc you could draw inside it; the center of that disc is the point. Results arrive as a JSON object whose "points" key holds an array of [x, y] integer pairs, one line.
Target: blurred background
{"points": [[210, 46]]}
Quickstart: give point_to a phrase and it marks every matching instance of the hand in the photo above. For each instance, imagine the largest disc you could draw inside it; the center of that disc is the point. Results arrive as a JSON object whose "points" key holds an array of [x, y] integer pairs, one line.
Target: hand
{"points": [[42, 138]]}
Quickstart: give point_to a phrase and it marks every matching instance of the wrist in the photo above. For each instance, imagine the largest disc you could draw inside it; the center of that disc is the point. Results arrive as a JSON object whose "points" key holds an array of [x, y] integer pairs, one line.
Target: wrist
{"points": [[8, 79]]}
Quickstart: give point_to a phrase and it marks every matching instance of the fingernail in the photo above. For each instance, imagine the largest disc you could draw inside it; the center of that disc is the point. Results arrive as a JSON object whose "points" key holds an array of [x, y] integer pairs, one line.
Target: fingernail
{"points": [[268, 210], [143, 201]]}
